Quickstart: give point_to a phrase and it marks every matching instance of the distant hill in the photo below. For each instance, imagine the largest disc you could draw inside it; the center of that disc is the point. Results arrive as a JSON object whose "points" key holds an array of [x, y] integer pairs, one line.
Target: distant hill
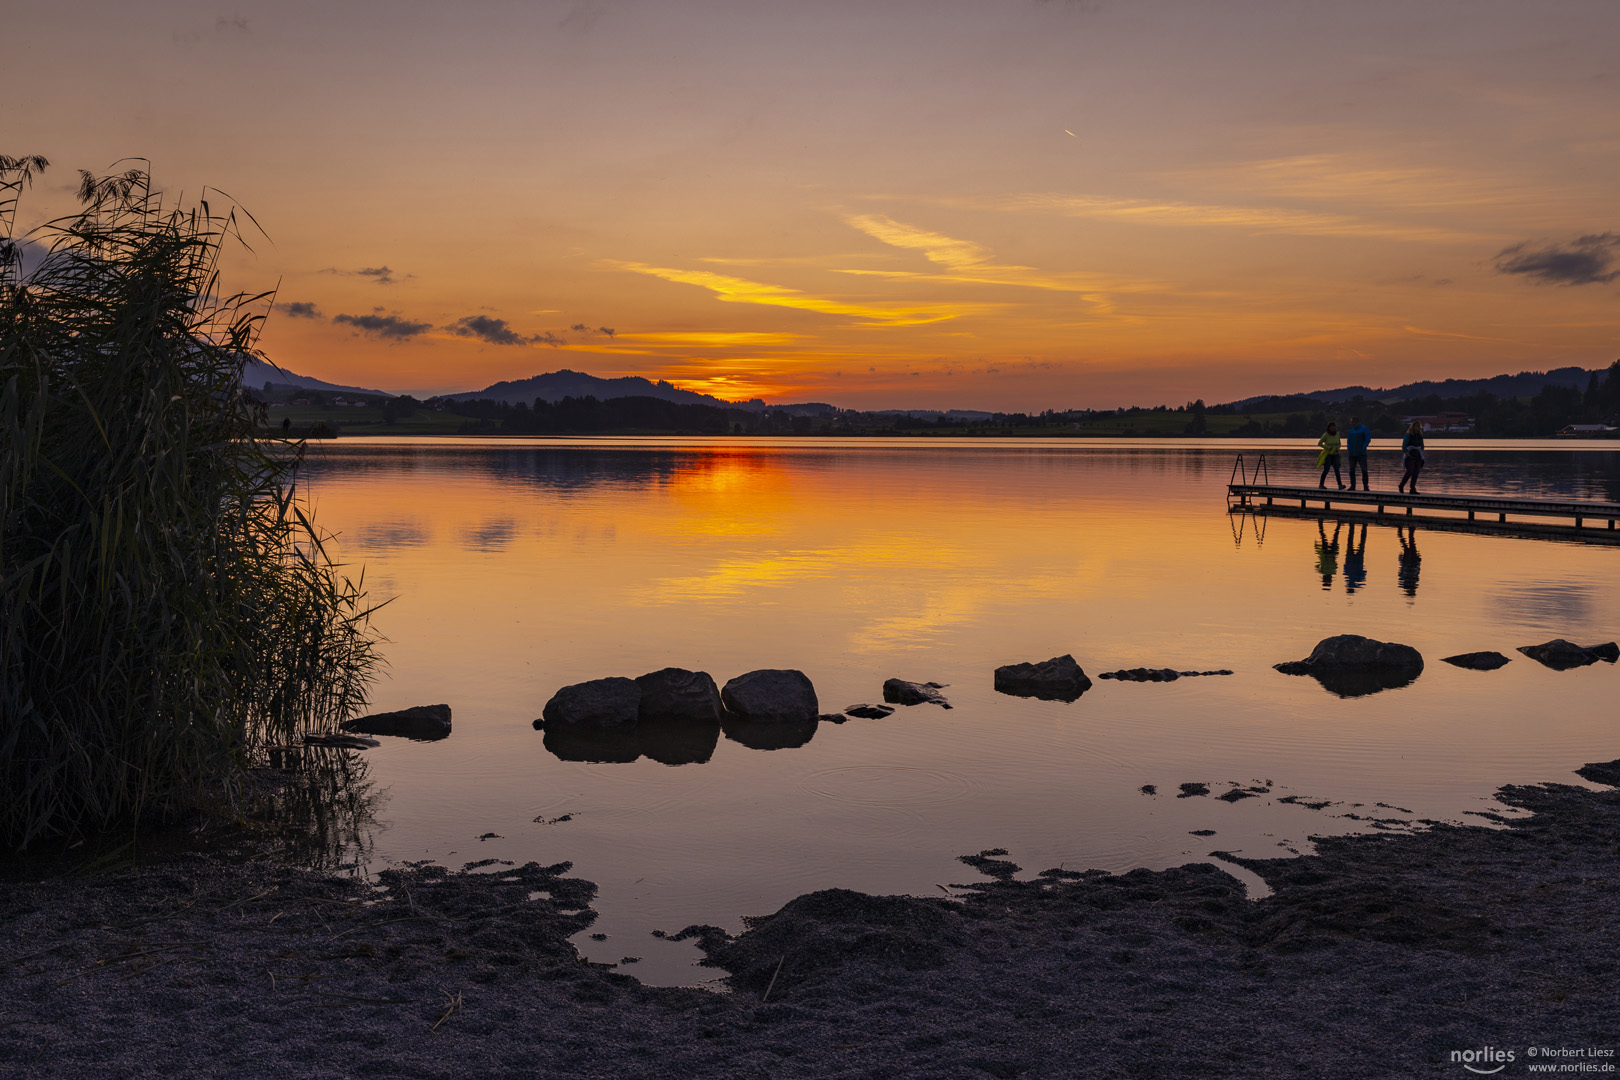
{"points": [[1524, 384], [256, 373], [556, 385]]}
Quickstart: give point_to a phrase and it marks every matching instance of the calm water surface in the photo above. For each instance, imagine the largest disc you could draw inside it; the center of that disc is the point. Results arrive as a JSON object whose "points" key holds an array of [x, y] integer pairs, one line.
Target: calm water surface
{"points": [[519, 566]]}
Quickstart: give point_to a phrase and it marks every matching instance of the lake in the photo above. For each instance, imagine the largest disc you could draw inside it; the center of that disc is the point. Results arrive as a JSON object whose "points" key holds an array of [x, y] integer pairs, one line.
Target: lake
{"points": [[518, 566]]}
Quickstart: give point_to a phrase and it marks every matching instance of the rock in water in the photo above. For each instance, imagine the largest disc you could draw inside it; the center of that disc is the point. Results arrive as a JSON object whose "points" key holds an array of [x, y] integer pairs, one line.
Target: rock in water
{"points": [[1057, 679], [419, 722], [1561, 655], [1350, 665], [677, 694], [869, 712], [771, 696], [901, 692], [341, 742], [604, 703], [1477, 661]]}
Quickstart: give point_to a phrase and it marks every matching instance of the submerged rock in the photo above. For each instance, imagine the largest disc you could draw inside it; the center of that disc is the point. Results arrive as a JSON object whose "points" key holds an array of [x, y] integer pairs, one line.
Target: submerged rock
{"points": [[603, 703], [1195, 788], [901, 692], [341, 742], [422, 722], [1057, 679], [678, 741], [770, 734], [1477, 661], [677, 694], [869, 712], [1561, 655], [1141, 674], [771, 696], [1350, 665]]}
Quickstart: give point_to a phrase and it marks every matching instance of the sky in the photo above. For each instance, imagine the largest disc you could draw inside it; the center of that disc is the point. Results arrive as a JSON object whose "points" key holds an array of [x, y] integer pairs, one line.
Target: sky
{"points": [[998, 204]]}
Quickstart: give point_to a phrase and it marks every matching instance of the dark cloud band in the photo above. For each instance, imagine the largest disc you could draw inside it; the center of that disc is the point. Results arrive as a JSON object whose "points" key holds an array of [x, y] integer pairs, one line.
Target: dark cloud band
{"points": [[391, 327], [1588, 260]]}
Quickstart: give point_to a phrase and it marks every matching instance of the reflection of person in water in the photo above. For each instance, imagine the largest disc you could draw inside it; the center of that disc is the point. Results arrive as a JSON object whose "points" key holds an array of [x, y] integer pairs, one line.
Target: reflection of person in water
{"points": [[1411, 561], [1327, 553], [1355, 565]]}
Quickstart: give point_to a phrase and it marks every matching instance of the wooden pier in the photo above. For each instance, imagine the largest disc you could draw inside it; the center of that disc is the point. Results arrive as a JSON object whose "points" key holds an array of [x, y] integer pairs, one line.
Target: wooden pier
{"points": [[1576, 518]]}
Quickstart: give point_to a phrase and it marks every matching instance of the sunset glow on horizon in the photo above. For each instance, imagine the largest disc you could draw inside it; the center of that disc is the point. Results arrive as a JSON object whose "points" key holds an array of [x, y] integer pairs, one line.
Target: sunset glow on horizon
{"points": [[1037, 204]]}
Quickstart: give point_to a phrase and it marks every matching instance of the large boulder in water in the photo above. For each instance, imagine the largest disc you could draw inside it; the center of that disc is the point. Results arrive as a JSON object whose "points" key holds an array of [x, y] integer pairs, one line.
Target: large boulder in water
{"points": [[677, 694], [1561, 655], [421, 722], [771, 696], [901, 692], [1350, 665], [603, 703], [1057, 679]]}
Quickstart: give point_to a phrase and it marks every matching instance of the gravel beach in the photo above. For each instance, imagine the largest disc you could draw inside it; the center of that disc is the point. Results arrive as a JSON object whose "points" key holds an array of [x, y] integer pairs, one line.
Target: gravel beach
{"points": [[1378, 956]]}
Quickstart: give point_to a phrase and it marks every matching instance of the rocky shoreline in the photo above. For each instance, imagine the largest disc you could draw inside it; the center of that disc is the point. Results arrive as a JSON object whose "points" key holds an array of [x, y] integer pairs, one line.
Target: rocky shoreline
{"points": [[1378, 956]]}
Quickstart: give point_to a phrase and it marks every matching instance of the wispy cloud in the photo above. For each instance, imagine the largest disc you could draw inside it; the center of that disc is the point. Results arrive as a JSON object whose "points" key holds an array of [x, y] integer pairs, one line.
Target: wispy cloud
{"points": [[1348, 179], [1261, 219], [382, 275], [1586, 260], [739, 291], [390, 327], [715, 338], [965, 262], [300, 309]]}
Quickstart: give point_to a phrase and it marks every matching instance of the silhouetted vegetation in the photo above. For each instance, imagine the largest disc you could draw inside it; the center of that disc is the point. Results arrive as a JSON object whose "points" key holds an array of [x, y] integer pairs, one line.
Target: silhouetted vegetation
{"points": [[168, 614]]}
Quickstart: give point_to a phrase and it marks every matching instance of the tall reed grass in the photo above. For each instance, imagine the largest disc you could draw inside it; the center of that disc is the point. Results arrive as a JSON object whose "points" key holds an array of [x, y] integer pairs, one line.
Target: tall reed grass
{"points": [[168, 612]]}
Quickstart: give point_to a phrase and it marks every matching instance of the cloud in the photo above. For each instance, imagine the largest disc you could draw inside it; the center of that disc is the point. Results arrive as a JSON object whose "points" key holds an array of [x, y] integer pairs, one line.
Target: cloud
{"points": [[1587, 260], [301, 309], [390, 327], [489, 330], [965, 261], [1258, 219], [716, 338], [382, 275], [739, 291]]}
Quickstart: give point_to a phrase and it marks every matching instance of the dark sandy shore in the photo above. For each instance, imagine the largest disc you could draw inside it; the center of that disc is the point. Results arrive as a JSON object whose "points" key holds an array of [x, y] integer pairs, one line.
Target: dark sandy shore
{"points": [[1377, 957]]}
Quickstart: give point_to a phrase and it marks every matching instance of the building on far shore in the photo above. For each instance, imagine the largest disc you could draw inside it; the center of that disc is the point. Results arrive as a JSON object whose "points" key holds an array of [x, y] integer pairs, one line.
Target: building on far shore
{"points": [[1454, 423]]}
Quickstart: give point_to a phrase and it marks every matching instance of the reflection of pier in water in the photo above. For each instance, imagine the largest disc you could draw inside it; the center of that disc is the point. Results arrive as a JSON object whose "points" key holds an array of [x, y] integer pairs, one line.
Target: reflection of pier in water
{"points": [[1251, 492]]}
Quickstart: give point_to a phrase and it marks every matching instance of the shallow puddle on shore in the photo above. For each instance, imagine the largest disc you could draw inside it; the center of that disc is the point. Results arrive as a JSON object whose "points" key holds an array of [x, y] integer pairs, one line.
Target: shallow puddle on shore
{"points": [[519, 567]]}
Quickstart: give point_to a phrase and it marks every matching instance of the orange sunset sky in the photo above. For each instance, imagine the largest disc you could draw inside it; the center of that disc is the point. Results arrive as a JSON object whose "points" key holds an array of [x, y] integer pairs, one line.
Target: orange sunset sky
{"points": [[1003, 204]]}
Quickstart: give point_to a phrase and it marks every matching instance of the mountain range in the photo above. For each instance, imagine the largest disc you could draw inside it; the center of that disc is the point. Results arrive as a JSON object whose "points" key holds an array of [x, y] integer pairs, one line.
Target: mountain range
{"points": [[556, 385], [1524, 384], [255, 373]]}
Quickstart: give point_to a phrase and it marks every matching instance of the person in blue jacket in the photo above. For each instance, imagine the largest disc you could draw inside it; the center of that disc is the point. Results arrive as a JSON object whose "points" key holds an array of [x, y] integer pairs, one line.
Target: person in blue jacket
{"points": [[1356, 440]]}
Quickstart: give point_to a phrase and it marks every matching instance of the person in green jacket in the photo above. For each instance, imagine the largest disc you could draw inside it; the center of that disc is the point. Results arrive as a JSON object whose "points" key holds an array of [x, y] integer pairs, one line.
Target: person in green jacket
{"points": [[1329, 457]]}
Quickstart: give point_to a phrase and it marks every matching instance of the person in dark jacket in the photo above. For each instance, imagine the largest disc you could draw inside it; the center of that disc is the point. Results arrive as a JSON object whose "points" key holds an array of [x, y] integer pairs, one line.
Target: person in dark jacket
{"points": [[1412, 452], [1356, 441]]}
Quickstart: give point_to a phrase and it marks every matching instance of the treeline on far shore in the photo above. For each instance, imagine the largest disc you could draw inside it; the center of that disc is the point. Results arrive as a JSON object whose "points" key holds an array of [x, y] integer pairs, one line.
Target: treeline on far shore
{"points": [[1480, 415]]}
